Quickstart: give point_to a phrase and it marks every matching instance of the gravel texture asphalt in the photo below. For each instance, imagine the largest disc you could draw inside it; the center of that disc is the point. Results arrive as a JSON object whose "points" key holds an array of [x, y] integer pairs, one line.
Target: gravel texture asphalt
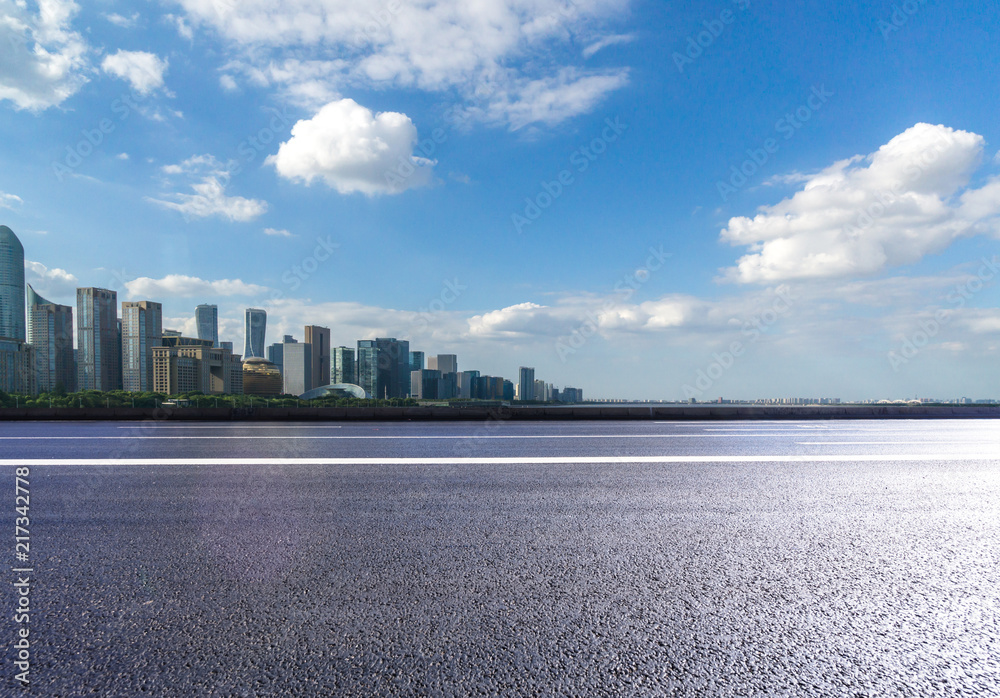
{"points": [[728, 579]]}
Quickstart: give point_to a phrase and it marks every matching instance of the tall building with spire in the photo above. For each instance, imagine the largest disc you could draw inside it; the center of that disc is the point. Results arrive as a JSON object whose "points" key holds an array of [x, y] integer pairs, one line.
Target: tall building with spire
{"points": [[12, 323], [255, 328]]}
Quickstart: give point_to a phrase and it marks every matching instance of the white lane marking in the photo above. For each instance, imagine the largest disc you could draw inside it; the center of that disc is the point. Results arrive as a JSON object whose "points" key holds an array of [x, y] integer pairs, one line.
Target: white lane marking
{"points": [[910, 442], [543, 460], [452, 436], [234, 426]]}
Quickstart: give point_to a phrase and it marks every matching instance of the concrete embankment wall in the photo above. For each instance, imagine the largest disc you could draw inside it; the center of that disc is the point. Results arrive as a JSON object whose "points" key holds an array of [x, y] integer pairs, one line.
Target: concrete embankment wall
{"points": [[517, 413]]}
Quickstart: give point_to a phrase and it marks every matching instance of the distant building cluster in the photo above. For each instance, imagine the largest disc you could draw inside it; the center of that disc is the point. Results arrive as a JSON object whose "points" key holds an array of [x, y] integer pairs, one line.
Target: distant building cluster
{"points": [[134, 352]]}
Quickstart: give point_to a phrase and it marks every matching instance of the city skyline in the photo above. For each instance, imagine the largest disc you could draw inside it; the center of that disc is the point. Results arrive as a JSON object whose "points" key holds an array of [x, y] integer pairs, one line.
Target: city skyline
{"points": [[636, 194]]}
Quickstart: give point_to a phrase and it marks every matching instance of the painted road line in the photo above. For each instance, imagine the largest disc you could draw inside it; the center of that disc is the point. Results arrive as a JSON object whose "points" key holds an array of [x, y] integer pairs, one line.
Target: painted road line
{"points": [[526, 460], [399, 438]]}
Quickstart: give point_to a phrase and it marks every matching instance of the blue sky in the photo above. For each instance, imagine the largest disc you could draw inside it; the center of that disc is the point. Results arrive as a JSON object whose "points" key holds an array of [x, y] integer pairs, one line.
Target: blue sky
{"points": [[532, 182]]}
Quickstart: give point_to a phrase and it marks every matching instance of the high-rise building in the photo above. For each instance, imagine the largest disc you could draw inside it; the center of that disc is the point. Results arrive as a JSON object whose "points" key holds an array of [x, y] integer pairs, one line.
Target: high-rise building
{"points": [[33, 299], [12, 322], [142, 329], [98, 341], [319, 338], [275, 354], [17, 362], [185, 368], [297, 372], [467, 383], [50, 327], [207, 319], [424, 384], [445, 363], [367, 363], [343, 369], [228, 346], [525, 384], [393, 368], [506, 390], [540, 391], [416, 361], [255, 329]]}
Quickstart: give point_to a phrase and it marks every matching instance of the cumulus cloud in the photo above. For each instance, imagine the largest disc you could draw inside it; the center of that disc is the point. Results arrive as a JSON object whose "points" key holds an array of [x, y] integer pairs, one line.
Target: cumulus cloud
{"points": [[439, 45], [209, 198], [863, 215], [181, 286], [44, 61], [57, 282], [353, 150], [9, 200], [143, 71]]}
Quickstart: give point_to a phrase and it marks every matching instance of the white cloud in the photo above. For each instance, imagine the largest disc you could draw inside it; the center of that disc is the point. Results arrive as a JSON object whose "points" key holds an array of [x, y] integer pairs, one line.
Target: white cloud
{"points": [[612, 40], [44, 61], [57, 282], [354, 150], [209, 198], [122, 21], [863, 215], [277, 233], [9, 200], [181, 286], [228, 83], [144, 71], [552, 100], [122, 156], [438, 45]]}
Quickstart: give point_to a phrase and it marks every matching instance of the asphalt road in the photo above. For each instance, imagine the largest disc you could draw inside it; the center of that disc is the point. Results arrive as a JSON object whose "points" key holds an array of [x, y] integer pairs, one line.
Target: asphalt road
{"points": [[588, 559]]}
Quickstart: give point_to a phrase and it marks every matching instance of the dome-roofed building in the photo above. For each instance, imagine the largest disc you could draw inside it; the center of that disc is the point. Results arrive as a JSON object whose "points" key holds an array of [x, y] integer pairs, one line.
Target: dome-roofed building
{"points": [[261, 377], [340, 390]]}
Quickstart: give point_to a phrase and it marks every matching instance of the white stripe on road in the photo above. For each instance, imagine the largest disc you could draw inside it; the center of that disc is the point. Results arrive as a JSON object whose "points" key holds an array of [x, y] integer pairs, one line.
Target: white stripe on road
{"points": [[470, 437], [543, 460], [235, 426]]}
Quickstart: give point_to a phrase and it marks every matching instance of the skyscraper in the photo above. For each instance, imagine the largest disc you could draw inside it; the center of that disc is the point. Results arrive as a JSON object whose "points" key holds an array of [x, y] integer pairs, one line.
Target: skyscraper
{"points": [[254, 332], [525, 383], [33, 300], [142, 329], [207, 319], [445, 363], [98, 345], [416, 361], [368, 360], [343, 367], [12, 323], [297, 372], [50, 327], [393, 368], [319, 338]]}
